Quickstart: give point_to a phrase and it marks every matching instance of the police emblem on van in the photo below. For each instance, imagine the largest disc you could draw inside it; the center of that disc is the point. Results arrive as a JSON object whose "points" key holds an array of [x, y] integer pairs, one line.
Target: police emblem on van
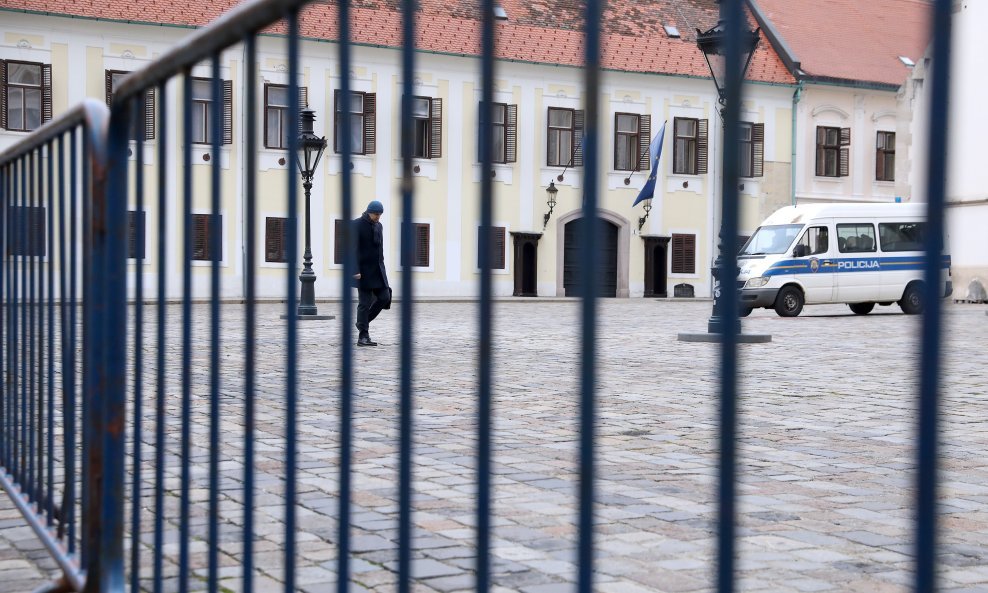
{"points": [[814, 264]]}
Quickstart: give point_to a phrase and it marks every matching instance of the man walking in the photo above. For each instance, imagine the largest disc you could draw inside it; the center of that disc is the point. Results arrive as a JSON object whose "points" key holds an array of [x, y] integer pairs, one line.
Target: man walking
{"points": [[373, 291]]}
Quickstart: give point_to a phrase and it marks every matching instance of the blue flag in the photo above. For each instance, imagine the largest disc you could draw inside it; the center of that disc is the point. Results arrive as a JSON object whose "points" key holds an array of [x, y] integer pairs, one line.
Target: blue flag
{"points": [[654, 151]]}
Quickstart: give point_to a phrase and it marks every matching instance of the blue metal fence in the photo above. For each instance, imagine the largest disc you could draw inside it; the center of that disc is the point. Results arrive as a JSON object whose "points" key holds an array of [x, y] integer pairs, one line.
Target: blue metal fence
{"points": [[56, 430], [79, 191]]}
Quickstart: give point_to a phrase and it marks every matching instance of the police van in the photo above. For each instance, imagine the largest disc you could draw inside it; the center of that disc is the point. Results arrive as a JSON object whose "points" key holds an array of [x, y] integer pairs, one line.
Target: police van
{"points": [[858, 254]]}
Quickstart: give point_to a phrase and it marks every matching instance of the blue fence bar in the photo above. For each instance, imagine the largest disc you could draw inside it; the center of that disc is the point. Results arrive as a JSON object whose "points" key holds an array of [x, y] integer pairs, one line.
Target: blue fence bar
{"points": [[349, 267], [407, 214], [589, 262], [733, 16], [929, 409]]}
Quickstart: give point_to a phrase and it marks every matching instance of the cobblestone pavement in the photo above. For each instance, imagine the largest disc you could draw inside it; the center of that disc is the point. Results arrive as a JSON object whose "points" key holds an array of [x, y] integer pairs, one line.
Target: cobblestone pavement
{"points": [[826, 453]]}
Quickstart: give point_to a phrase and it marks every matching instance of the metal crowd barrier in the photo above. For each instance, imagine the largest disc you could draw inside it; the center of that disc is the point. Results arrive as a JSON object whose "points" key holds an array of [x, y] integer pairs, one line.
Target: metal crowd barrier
{"points": [[79, 510], [60, 436]]}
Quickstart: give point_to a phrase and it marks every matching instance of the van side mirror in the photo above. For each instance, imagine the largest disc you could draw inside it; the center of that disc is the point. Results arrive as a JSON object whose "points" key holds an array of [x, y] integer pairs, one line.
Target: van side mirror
{"points": [[800, 251]]}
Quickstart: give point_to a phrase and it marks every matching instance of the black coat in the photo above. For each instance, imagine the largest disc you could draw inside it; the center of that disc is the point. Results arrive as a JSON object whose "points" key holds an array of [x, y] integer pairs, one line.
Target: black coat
{"points": [[370, 253]]}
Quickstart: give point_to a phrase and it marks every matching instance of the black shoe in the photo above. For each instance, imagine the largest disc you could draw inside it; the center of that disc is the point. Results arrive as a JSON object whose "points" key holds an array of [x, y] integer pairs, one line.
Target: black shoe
{"points": [[364, 340]]}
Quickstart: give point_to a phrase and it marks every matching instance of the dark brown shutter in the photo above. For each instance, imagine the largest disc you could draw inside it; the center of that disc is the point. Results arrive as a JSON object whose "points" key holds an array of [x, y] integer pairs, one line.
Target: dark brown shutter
{"points": [[37, 244], [227, 112], [338, 242], [136, 238], [511, 134], [421, 245], [578, 123], [274, 239], [845, 154], [436, 129], [684, 254], [758, 150], [336, 121], [149, 114], [200, 237], [701, 147], [497, 255], [370, 123], [109, 87], [303, 102], [46, 93], [218, 222], [3, 94], [497, 247], [644, 140]]}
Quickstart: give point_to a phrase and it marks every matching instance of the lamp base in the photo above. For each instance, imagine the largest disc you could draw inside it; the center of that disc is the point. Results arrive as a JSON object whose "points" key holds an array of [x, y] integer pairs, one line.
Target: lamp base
{"points": [[708, 337], [309, 317]]}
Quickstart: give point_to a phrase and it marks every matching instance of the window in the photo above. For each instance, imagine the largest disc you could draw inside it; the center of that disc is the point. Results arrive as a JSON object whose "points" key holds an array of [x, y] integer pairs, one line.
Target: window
{"points": [[276, 112], [856, 238], [363, 123], [25, 95], [202, 111], [275, 241], [497, 248], [902, 236], [632, 134], [112, 81], [338, 238], [26, 231], [814, 241], [683, 254], [136, 237], [419, 257], [202, 228], [504, 129], [752, 147], [689, 149], [427, 134], [565, 137], [885, 157], [832, 156]]}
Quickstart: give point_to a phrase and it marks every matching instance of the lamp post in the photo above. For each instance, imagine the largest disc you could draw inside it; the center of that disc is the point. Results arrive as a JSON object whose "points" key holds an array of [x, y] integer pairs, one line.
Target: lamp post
{"points": [[712, 44], [550, 201], [310, 149]]}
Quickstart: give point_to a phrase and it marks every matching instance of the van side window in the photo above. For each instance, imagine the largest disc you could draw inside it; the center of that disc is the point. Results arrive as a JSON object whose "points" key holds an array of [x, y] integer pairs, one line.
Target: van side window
{"points": [[814, 241], [902, 236], [856, 238]]}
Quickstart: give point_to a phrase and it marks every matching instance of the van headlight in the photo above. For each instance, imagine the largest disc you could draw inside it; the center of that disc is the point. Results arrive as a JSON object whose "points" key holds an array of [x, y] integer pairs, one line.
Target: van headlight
{"points": [[758, 282]]}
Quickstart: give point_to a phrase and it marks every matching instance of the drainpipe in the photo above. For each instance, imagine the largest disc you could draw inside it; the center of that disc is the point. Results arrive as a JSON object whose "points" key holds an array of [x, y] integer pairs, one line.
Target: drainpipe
{"points": [[796, 96]]}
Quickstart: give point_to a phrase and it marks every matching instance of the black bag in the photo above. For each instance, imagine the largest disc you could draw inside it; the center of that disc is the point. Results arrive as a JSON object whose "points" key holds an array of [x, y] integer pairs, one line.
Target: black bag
{"points": [[386, 300]]}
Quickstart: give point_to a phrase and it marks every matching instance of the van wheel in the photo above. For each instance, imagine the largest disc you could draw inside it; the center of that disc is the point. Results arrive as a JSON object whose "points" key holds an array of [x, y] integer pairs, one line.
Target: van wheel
{"points": [[861, 308], [789, 303], [912, 300], [744, 311]]}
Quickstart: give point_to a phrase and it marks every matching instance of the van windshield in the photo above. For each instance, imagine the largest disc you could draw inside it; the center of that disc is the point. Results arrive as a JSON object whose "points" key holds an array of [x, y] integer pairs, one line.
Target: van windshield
{"points": [[775, 238]]}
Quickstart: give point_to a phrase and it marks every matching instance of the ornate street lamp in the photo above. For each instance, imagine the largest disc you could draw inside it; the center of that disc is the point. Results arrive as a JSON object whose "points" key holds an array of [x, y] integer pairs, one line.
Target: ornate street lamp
{"points": [[310, 149], [550, 201], [713, 45], [647, 205]]}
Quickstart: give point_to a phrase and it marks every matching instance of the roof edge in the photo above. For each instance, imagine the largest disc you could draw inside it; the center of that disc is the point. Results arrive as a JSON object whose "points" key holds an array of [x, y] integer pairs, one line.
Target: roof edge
{"points": [[848, 82], [786, 53]]}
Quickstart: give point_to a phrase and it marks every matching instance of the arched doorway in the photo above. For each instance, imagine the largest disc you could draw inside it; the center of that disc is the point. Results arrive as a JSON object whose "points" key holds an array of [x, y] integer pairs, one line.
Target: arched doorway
{"points": [[606, 274], [655, 265]]}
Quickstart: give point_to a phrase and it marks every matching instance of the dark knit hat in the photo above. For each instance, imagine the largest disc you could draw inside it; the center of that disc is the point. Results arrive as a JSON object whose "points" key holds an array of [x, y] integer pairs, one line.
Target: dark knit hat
{"points": [[375, 207]]}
